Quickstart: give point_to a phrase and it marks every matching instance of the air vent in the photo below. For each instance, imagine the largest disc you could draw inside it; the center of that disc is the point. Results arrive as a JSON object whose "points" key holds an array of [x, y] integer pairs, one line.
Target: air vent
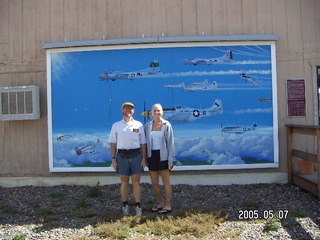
{"points": [[19, 103]]}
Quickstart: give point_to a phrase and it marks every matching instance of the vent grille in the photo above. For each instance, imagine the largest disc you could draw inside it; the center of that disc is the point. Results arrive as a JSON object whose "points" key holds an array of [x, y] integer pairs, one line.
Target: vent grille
{"points": [[19, 103]]}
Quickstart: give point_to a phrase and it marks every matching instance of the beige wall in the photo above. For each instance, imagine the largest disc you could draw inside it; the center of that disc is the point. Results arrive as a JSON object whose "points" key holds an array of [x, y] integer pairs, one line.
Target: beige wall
{"points": [[25, 25]]}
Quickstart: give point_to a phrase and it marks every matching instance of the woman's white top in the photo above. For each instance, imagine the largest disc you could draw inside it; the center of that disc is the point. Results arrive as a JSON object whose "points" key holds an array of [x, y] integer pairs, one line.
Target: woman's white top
{"points": [[155, 140]]}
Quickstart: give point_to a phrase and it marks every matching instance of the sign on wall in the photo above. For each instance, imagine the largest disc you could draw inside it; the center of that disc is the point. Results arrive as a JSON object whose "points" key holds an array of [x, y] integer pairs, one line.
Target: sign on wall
{"points": [[296, 98], [220, 100]]}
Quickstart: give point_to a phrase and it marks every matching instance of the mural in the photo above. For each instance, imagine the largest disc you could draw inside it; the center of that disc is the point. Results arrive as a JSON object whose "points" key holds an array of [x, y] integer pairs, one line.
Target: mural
{"points": [[221, 101]]}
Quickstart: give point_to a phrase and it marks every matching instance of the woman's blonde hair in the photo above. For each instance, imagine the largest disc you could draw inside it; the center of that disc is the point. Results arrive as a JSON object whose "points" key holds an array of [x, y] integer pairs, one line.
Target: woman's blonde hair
{"points": [[158, 106]]}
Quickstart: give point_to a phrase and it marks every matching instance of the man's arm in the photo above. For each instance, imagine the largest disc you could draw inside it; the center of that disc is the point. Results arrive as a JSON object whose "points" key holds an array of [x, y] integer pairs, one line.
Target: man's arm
{"points": [[113, 148]]}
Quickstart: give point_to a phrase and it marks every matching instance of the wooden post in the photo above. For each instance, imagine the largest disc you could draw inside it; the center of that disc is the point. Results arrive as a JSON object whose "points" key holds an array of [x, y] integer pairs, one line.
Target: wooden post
{"points": [[289, 154], [318, 160]]}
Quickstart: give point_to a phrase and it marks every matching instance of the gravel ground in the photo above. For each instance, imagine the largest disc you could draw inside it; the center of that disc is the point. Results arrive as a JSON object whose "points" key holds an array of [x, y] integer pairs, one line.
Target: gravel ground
{"points": [[66, 212]]}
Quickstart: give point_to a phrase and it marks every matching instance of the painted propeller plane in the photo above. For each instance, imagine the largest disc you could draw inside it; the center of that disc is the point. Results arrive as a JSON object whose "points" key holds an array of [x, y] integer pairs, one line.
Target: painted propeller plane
{"points": [[195, 86], [239, 129], [153, 69], [185, 114], [226, 58], [65, 138], [89, 148], [250, 79]]}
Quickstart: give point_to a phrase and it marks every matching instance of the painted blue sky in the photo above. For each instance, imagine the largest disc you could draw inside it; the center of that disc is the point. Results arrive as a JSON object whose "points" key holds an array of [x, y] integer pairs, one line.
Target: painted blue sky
{"points": [[84, 104]]}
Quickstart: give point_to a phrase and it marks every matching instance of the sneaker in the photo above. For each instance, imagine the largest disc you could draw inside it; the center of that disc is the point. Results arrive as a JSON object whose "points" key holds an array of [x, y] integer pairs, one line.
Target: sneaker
{"points": [[138, 210], [125, 210]]}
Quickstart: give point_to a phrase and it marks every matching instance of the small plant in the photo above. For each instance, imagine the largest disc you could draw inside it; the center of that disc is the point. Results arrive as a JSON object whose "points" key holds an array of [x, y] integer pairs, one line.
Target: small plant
{"points": [[271, 225], [8, 210], [55, 195], [252, 205], [82, 203], [19, 237], [299, 212], [45, 212], [45, 215], [87, 214], [95, 192]]}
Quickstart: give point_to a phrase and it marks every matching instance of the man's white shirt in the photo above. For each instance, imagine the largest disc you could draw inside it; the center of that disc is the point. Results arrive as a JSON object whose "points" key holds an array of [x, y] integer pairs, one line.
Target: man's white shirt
{"points": [[127, 135]]}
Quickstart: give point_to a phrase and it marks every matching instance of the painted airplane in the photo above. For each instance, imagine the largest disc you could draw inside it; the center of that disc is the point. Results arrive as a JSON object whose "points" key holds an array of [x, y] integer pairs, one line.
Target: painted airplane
{"points": [[184, 115], [250, 79], [264, 99], [89, 148], [65, 138], [196, 86], [239, 129], [153, 69], [226, 58]]}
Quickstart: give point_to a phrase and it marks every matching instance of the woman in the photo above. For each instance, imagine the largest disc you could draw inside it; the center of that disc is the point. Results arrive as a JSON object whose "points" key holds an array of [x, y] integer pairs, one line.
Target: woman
{"points": [[161, 154]]}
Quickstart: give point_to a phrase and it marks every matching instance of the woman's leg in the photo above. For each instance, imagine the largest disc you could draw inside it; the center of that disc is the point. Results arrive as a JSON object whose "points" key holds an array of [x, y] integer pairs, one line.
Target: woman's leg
{"points": [[165, 175], [154, 175]]}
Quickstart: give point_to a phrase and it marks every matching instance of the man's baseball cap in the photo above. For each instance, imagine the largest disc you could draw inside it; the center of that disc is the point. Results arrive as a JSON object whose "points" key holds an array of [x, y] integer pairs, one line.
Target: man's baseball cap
{"points": [[127, 104]]}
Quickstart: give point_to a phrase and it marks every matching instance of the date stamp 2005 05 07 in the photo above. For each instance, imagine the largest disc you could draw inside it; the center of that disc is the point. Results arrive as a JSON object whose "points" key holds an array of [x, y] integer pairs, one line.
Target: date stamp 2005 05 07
{"points": [[265, 214]]}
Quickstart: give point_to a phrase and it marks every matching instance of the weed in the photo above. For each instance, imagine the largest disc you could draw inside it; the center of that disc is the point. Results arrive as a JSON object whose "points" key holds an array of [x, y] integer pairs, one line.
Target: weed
{"points": [[299, 212], [19, 237], [8, 210], [45, 212], [250, 205], [95, 192], [271, 225], [45, 215], [87, 214], [82, 203], [55, 195]]}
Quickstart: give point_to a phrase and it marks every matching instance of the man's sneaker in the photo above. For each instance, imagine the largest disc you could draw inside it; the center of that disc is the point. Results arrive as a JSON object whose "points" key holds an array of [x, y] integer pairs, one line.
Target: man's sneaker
{"points": [[138, 210], [125, 210]]}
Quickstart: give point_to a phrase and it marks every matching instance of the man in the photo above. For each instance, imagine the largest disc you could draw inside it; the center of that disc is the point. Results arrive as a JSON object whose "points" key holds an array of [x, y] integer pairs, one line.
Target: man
{"points": [[128, 152]]}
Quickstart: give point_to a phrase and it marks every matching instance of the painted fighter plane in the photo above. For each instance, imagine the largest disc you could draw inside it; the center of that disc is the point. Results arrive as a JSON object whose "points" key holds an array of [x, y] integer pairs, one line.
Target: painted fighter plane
{"points": [[65, 138], [250, 79], [239, 129], [264, 99], [89, 148], [195, 86], [153, 69], [184, 115], [226, 58]]}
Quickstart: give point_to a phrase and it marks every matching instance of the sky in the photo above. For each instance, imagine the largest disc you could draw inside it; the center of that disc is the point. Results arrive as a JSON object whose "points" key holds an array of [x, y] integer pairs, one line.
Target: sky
{"points": [[86, 107]]}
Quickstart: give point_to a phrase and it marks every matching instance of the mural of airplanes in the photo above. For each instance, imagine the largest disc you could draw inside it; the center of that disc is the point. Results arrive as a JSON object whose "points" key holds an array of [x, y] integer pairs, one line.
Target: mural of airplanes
{"points": [[153, 69], [183, 114], [250, 79], [196, 86], [226, 58], [239, 129]]}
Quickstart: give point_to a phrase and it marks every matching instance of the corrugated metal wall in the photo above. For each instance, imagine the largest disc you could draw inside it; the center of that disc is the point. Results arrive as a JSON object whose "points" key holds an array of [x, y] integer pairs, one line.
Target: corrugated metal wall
{"points": [[25, 25]]}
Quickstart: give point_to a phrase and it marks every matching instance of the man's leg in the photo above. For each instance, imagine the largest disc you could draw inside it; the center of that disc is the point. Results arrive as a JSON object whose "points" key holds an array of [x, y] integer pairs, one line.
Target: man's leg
{"points": [[124, 194], [135, 178], [124, 187]]}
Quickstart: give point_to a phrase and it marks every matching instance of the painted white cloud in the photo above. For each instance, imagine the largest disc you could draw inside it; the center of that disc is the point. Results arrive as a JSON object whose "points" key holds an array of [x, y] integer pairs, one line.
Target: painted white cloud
{"points": [[225, 149], [255, 110], [209, 73], [95, 150]]}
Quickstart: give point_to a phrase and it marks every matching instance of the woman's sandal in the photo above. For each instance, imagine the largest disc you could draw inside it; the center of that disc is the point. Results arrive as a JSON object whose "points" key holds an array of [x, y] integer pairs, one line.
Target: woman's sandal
{"points": [[156, 209], [165, 211]]}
